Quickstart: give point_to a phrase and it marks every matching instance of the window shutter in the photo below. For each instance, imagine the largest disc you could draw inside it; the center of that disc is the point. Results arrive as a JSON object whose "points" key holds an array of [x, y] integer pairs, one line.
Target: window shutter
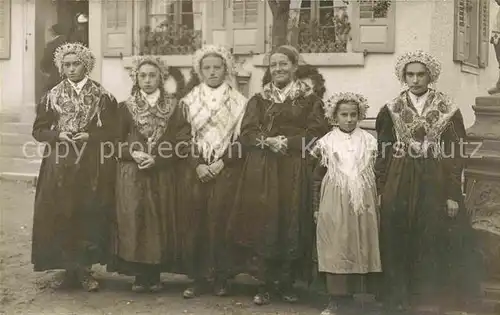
{"points": [[217, 23], [484, 32], [118, 16], [5, 28], [246, 26], [373, 29], [462, 28]]}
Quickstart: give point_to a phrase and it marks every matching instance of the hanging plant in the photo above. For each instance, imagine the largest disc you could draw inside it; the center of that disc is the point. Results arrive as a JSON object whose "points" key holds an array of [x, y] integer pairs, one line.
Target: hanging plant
{"points": [[328, 37], [380, 8], [169, 39]]}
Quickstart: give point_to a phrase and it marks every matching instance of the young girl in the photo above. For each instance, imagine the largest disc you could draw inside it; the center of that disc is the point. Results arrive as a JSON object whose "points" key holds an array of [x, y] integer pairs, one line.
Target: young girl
{"points": [[346, 216]]}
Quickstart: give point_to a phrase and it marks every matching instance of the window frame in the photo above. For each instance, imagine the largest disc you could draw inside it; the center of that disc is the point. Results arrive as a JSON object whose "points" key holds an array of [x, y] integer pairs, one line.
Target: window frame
{"points": [[471, 51], [315, 15]]}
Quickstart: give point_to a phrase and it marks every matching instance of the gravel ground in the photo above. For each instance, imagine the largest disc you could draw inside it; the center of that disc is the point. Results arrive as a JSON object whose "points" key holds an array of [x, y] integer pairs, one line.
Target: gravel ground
{"points": [[26, 292]]}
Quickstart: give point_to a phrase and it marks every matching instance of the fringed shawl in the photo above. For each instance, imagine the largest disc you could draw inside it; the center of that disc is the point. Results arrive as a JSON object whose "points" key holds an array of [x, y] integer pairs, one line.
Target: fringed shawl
{"points": [[421, 132], [349, 159], [297, 89], [150, 121], [213, 129], [76, 110]]}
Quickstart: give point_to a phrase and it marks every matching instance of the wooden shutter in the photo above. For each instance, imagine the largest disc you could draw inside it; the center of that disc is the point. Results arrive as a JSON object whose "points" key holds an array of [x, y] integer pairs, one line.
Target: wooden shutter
{"points": [[246, 26], [5, 28], [462, 30], [118, 17], [484, 32], [216, 12], [372, 32]]}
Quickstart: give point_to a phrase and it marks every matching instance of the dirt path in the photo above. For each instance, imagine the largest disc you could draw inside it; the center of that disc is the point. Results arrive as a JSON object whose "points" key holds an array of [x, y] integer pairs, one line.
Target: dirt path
{"points": [[23, 291], [26, 292]]}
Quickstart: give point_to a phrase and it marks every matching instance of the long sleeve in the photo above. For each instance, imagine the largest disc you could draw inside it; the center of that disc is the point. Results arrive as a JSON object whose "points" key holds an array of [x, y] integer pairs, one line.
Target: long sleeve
{"points": [[318, 174], [189, 151], [44, 122], [108, 131], [124, 124], [316, 127], [178, 138], [233, 153], [251, 129], [453, 138], [385, 139]]}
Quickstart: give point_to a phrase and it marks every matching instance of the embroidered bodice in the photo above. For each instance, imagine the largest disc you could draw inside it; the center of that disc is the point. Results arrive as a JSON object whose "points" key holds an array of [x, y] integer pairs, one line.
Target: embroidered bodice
{"points": [[75, 110], [421, 131], [150, 121]]}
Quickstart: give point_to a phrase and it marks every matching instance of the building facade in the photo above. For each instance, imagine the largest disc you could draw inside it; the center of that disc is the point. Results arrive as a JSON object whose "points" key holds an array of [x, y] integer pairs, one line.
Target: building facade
{"points": [[354, 43]]}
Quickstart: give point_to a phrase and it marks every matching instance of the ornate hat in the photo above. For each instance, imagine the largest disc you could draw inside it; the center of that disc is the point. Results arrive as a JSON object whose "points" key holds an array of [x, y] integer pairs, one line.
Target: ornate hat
{"points": [[83, 54], [219, 51], [138, 61], [336, 99], [431, 63]]}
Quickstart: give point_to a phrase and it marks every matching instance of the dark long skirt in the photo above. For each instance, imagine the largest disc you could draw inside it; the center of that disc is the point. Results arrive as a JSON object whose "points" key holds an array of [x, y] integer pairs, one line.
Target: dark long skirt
{"points": [[73, 207], [142, 237], [427, 256], [272, 221], [204, 210]]}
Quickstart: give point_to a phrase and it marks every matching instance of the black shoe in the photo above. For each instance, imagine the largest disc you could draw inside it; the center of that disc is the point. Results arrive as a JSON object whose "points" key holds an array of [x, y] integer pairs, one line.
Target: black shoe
{"points": [[140, 285], [221, 288], [331, 309], [195, 290], [262, 298]]}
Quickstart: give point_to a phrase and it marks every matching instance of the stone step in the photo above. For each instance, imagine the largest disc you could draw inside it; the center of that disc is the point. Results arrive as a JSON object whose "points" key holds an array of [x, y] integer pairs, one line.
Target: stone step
{"points": [[30, 178], [16, 127], [29, 150], [9, 118], [7, 138], [17, 165]]}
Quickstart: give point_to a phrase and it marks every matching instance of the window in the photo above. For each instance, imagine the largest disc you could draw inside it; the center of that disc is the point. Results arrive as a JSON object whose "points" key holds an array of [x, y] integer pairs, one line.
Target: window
{"points": [[373, 26], [319, 26], [471, 41], [5, 29], [325, 26], [173, 27]]}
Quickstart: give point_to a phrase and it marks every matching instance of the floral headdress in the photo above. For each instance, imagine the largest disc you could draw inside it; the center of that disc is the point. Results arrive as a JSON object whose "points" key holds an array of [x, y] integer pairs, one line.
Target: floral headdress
{"points": [[343, 97], [431, 63], [219, 51], [83, 54], [138, 61]]}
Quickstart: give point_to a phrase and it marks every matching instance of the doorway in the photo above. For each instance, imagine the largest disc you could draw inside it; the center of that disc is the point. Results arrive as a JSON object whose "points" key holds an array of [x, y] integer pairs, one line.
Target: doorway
{"points": [[48, 13]]}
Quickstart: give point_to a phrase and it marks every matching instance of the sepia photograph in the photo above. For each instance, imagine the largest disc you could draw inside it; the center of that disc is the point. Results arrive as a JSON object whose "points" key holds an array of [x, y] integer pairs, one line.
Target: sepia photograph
{"points": [[250, 157]]}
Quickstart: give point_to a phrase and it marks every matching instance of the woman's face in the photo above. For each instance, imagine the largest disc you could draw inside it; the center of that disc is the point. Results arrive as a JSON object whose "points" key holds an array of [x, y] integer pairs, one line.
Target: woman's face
{"points": [[282, 69], [148, 78], [347, 116], [213, 70], [73, 68], [417, 77]]}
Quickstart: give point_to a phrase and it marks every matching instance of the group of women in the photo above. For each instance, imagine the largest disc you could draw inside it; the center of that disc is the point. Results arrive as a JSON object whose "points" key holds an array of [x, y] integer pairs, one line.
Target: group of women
{"points": [[246, 181]]}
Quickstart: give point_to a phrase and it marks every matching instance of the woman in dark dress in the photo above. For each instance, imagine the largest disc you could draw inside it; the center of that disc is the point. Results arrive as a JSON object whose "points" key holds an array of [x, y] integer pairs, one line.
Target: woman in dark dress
{"points": [[271, 222], [150, 127], [425, 236], [75, 190], [214, 109]]}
